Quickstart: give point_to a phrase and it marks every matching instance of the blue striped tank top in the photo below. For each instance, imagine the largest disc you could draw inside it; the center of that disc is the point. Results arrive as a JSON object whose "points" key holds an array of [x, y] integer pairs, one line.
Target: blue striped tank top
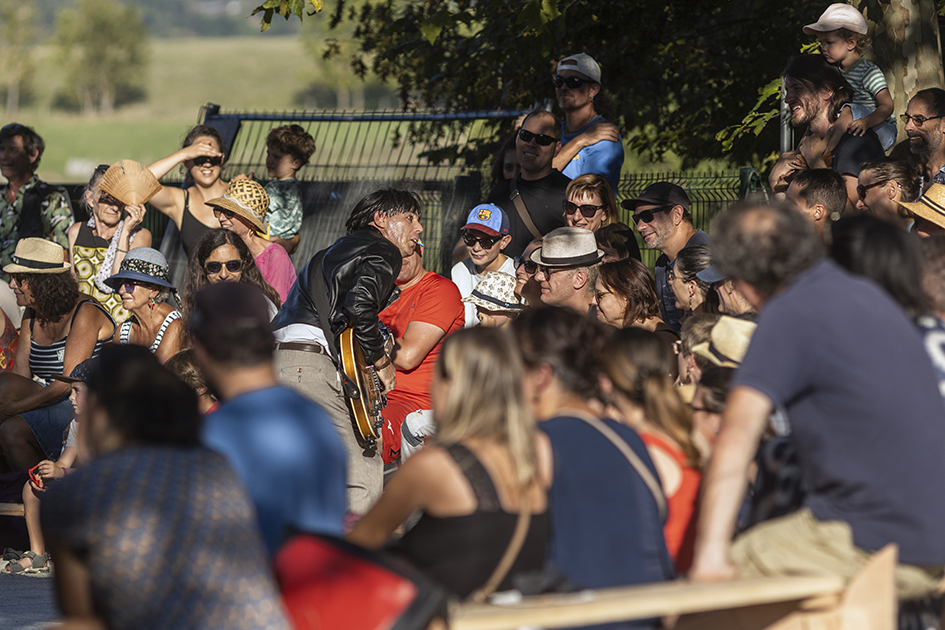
{"points": [[45, 361]]}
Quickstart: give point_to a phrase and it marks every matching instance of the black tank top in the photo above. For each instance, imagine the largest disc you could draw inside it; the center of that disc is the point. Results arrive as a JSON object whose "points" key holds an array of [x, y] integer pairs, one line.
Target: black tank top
{"points": [[461, 552], [191, 229]]}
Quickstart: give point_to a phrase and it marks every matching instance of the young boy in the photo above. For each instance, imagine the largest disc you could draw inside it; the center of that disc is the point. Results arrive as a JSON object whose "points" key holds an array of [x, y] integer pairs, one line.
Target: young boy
{"points": [[485, 234], [495, 300], [288, 149], [842, 32]]}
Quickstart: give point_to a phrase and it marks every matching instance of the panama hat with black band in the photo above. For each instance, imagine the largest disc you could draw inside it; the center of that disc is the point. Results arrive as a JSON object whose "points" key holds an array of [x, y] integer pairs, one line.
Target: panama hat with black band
{"points": [[37, 255], [568, 247]]}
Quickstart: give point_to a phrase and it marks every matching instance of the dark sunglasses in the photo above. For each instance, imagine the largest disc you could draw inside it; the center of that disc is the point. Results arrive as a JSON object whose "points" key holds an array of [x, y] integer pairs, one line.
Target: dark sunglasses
{"points": [[573, 83], [648, 215], [486, 241], [540, 138], [861, 189], [917, 120], [206, 160], [530, 265], [108, 200], [214, 266], [587, 209]]}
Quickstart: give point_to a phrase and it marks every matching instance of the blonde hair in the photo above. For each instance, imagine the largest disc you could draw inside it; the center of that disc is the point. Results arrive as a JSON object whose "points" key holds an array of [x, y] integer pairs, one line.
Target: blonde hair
{"points": [[594, 184], [485, 397], [638, 364]]}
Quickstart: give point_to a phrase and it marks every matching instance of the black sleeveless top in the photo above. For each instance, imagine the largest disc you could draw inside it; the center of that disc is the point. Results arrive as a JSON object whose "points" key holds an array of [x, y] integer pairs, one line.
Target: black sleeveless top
{"points": [[191, 229], [461, 552]]}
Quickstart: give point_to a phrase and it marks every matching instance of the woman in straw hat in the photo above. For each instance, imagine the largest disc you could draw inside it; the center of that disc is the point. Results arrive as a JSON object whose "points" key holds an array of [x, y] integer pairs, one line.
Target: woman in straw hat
{"points": [[242, 210], [62, 328], [203, 157], [97, 246], [144, 288]]}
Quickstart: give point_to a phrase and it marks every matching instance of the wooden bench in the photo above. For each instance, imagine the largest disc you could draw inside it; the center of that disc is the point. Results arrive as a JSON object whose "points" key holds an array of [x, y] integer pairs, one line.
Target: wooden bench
{"points": [[868, 602], [11, 509]]}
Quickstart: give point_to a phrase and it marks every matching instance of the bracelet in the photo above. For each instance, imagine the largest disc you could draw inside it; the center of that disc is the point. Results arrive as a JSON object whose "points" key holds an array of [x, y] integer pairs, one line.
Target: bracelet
{"points": [[123, 251]]}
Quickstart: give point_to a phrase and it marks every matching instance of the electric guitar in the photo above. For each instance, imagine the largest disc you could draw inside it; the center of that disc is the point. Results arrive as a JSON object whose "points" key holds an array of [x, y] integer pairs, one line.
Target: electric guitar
{"points": [[369, 400]]}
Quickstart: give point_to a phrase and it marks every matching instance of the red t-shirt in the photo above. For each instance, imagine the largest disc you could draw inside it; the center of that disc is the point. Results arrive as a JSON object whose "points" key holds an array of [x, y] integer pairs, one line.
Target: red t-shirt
{"points": [[433, 300]]}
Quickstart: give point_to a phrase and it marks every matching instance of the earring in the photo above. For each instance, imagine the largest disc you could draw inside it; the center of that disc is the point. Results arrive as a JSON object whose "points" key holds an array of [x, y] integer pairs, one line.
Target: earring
{"points": [[152, 303]]}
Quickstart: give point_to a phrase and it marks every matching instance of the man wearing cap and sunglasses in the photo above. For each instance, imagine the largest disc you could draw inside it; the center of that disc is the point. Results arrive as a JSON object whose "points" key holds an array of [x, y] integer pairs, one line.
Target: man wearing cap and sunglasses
{"points": [[661, 216], [589, 144]]}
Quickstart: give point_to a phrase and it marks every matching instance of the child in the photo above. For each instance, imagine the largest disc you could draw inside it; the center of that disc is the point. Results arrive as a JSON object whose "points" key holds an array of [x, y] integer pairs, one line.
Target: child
{"points": [[486, 234], [184, 367], [288, 149], [36, 560], [842, 32], [495, 300]]}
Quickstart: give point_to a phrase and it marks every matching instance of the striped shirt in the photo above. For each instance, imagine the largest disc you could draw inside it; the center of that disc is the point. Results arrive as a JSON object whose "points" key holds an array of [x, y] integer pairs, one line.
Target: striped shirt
{"points": [[46, 361], [867, 81], [124, 333]]}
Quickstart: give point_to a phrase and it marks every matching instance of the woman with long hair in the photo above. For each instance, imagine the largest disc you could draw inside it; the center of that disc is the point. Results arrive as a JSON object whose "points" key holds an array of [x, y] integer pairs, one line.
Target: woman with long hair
{"points": [[882, 184], [638, 367], [486, 470], [692, 294]]}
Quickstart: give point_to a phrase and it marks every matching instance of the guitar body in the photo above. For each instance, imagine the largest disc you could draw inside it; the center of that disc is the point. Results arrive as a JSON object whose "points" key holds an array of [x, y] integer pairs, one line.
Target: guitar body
{"points": [[371, 399]]}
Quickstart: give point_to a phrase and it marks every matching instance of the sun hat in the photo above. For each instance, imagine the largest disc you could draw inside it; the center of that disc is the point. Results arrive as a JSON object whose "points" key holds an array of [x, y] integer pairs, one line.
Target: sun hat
{"points": [[496, 292], [246, 198], [583, 63], [659, 194], [710, 275], [142, 264], [129, 182], [488, 218], [837, 16], [37, 255], [930, 206], [728, 342], [568, 247], [79, 374]]}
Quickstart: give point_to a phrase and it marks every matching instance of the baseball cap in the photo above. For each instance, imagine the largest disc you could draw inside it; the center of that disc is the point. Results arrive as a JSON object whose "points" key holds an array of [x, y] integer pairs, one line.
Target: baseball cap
{"points": [[837, 16], [659, 194], [710, 275], [79, 374], [488, 218], [583, 63]]}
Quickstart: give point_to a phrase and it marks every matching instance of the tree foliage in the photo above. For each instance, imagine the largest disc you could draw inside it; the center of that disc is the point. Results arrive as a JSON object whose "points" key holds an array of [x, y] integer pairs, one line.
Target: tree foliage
{"points": [[16, 40], [103, 46]]}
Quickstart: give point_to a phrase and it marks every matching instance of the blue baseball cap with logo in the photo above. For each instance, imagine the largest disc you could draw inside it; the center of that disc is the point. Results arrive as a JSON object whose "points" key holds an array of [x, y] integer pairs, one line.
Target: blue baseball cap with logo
{"points": [[489, 219]]}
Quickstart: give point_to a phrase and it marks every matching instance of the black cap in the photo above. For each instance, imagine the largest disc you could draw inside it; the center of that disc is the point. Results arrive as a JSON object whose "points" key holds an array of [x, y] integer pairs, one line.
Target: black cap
{"points": [[659, 194]]}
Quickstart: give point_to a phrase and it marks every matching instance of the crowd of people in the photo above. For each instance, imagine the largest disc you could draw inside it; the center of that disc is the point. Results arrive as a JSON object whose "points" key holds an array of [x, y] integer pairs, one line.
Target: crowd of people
{"points": [[767, 400]]}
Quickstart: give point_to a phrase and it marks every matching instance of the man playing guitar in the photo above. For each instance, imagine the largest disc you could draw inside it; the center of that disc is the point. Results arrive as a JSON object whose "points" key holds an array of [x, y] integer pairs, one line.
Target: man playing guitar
{"points": [[353, 280]]}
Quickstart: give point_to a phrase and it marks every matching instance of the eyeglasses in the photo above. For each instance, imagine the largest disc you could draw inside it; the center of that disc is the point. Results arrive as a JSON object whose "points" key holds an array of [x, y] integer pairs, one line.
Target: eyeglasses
{"points": [[573, 83], [485, 241], [206, 160], [101, 169], [861, 189], [587, 209], [540, 138], [129, 287], [598, 295], [670, 275], [218, 211], [106, 199], [214, 267], [530, 265], [917, 120], [647, 216], [550, 270]]}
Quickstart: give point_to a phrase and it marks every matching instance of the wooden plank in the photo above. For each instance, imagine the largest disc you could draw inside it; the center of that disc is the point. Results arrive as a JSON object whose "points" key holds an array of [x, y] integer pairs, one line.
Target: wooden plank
{"points": [[11, 509], [640, 602]]}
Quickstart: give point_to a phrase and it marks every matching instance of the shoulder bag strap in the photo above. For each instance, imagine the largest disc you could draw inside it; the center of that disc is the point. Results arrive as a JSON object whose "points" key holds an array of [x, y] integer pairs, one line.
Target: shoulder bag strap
{"points": [[526, 218], [510, 555]]}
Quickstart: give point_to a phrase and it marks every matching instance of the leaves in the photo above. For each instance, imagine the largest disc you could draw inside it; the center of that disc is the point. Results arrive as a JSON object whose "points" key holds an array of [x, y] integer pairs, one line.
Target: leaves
{"points": [[285, 8]]}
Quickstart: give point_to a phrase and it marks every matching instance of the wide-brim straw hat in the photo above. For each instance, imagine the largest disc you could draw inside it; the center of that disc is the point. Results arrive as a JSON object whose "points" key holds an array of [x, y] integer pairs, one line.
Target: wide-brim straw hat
{"points": [[129, 182], [728, 342], [496, 292], [930, 206], [568, 247], [37, 255], [247, 199], [142, 264]]}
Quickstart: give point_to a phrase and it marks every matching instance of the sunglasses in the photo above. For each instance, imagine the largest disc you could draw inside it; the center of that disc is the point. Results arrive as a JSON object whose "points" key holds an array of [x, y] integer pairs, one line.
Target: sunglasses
{"points": [[530, 265], [573, 83], [129, 286], [485, 241], [541, 139], [647, 216], [861, 189], [916, 120], [206, 160], [214, 267], [105, 199], [587, 210]]}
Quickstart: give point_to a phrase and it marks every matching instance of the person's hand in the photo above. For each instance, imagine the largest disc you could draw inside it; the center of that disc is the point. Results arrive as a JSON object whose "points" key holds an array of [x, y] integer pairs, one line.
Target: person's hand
{"points": [[708, 568], [198, 149], [600, 131], [388, 375], [858, 127], [135, 217], [243, 176], [812, 148], [49, 470]]}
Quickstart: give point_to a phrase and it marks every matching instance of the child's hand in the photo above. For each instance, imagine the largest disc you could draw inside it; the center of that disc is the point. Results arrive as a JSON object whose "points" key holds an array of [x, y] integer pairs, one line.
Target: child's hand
{"points": [[243, 176], [49, 470], [858, 127]]}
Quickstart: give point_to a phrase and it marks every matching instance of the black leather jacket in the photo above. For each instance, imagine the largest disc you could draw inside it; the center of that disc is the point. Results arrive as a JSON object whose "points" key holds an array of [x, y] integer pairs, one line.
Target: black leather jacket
{"points": [[359, 271]]}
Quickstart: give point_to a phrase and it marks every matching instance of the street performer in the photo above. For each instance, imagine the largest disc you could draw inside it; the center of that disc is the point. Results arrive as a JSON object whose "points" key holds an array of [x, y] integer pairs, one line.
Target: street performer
{"points": [[354, 280]]}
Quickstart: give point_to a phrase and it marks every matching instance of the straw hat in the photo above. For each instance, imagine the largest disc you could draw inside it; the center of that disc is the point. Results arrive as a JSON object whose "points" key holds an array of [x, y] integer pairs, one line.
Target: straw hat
{"points": [[37, 255], [568, 247], [496, 292], [246, 198], [728, 342], [129, 182], [142, 264], [930, 206]]}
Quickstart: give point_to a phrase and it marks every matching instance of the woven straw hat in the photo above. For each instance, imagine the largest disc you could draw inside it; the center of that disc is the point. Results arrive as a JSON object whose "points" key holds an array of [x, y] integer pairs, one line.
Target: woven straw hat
{"points": [[930, 206], [568, 247], [728, 342], [37, 255], [246, 198], [496, 292], [129, 182], [142, 264]]}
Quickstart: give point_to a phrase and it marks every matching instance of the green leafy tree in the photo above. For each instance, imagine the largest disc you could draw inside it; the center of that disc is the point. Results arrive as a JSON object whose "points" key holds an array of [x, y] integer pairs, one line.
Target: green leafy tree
{"points": [[16, 40], [103, 48]]}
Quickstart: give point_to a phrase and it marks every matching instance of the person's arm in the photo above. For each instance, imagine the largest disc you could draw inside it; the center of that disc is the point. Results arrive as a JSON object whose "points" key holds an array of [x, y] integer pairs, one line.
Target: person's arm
{"points": [[170, 200], [597, 132], [418, 340], [744, 419], [812, 148], [49, 470], [72, 235], [884, 109], [171, 342], [838, 128], [73, 589], [21, 362], [133, 218]]}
